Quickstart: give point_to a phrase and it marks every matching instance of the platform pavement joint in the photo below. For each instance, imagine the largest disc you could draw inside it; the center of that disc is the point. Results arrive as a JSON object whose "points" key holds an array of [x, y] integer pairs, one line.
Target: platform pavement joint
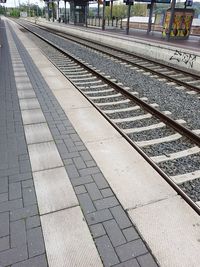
{"points": [[116, 238], [21, 239]]}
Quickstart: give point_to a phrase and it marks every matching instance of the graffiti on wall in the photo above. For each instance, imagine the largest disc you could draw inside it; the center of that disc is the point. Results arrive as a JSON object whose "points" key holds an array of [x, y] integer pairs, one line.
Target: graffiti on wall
{"points": [[181, 24], [186, 58]]}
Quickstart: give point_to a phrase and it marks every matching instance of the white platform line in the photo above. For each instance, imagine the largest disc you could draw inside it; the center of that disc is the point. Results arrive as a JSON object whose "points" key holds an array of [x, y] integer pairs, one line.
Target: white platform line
{"points": [[179, 179], [177, 155]]}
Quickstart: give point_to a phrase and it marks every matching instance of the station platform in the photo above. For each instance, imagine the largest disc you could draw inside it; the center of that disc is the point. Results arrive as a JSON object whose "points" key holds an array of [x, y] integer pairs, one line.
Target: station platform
{"points": [[184, 54], [72, 191], [192, 43]]}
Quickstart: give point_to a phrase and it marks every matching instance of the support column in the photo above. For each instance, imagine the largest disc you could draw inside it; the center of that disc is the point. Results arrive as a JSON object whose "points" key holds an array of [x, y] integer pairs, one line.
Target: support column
{"points": [[86, 13], [48, 10], [128, 16], [58, 11], [65, 10], [98, 7], [111, 11], [150, 16], [53, 10], [173, 4], [103, 17]]}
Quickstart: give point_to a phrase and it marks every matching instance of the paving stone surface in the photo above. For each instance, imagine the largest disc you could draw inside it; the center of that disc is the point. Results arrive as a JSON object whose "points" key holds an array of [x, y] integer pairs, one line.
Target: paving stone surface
{"points": [[116, 239], [21, 239]]}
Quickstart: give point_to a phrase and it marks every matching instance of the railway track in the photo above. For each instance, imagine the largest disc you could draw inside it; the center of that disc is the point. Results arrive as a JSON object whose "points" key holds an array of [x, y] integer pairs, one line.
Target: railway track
{"points": [[186, 80], [165, 142]]}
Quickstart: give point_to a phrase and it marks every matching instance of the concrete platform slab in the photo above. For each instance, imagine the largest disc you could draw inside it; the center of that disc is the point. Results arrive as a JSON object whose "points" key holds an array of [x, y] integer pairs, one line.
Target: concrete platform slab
{"points": [[29, 104], [97, 130], [20, 79], [26, 93], [68, 240], [132, 179], [49, 71], [54, 190], [20, 73], [43, 62], [44, 156], [18, 65], [71, 99], [57, 84], [172, 230], [32, 116], [24, 86], [37, 133]]}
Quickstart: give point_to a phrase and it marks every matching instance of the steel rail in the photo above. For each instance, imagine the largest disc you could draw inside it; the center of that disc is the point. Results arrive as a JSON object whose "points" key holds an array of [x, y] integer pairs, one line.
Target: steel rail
{"points": [[182, 83], [147, 107]]}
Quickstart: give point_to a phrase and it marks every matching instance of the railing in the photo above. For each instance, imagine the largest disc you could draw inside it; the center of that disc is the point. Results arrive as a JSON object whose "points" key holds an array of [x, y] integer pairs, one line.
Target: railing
{"points": [[119, 23], [109, 22]]}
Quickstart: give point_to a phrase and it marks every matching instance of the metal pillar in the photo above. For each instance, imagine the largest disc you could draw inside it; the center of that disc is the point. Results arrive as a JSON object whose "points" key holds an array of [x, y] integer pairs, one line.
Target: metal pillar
{"points": [[150, 16], [58, 13], [65, 1], [53, 10], [128, 16], [111, 9], [103, 17], [29, 9], [173, 4], [72, 11], [98, 7], [48, 10], [86, 13]]}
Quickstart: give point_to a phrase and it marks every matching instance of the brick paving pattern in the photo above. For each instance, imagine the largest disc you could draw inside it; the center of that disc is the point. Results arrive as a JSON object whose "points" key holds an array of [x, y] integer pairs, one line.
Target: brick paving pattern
{"points": [[21, 239], [116, 239]]}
